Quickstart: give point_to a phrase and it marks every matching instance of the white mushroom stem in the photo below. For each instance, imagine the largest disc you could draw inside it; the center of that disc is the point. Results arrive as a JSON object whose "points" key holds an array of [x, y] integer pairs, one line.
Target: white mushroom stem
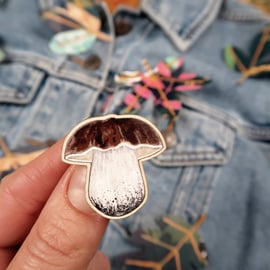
{"points": [[117, 185]]}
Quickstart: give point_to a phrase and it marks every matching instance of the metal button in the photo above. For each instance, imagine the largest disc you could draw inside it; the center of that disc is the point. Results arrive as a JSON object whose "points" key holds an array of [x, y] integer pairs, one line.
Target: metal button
{"points": [[203, 250], [93, 62], [122, 26], [170, 138]]}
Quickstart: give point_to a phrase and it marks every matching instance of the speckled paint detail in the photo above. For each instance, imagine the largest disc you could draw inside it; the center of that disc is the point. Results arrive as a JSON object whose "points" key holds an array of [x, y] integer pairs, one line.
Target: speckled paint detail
{"points": [[123, 190], [113, 148]]}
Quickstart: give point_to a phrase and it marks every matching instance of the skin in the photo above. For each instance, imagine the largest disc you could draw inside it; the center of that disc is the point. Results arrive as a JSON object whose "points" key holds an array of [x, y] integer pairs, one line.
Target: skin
{"points": [[41, 228]]}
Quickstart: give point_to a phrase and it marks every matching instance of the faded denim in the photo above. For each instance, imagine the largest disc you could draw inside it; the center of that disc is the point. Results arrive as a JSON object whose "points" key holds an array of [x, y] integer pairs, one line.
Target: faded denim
{"points": [[221, 164]]}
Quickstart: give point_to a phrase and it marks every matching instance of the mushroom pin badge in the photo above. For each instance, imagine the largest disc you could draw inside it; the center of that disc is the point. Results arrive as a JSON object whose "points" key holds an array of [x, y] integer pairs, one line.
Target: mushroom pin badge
{"points": [[113, 148]]}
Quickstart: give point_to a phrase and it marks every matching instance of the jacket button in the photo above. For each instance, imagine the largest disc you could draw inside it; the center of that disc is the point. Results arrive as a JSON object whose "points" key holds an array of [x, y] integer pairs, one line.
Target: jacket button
{"points": [[93, 62], [122, 26], [170, 138]]}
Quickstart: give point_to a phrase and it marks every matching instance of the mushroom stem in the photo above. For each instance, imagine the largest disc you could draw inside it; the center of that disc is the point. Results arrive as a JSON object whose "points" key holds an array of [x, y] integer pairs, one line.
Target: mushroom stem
{"points": [[116, 186]]}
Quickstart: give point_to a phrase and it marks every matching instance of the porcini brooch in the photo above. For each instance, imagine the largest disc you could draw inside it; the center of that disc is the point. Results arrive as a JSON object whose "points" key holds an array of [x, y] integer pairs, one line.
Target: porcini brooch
{"points": [[113, 148]]}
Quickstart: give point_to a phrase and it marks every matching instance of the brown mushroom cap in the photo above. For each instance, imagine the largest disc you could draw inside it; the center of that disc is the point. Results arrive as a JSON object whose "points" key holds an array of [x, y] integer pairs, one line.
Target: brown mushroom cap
{"points": [[111, 131]]}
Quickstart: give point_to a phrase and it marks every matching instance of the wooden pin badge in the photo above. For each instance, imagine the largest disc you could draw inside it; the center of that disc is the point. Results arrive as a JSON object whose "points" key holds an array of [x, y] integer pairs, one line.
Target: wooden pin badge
{"points": [[113, 148]]}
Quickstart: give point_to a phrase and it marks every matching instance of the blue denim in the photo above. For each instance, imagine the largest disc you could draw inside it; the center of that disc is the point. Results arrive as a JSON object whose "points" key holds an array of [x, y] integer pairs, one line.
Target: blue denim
{"points": [[221, 163]]}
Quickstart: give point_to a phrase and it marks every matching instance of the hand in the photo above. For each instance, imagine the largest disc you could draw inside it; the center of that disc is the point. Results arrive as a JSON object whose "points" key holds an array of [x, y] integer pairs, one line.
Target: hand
{"points": [[45, 221]]}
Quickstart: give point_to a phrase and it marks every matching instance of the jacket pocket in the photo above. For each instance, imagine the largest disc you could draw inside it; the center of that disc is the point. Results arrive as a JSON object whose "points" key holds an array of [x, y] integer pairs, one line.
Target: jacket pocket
{"points": [[201, 140], [204, 146], [19, 83], [37, 105]]}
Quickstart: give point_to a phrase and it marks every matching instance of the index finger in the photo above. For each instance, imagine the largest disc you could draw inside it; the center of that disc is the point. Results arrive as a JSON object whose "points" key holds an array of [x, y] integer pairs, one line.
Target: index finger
{"points": [[24, 193], [67, 233]]}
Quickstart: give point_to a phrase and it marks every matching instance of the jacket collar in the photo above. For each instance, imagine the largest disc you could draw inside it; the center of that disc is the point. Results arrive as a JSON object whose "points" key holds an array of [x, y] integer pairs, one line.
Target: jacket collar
{"points": [[184, 21]]}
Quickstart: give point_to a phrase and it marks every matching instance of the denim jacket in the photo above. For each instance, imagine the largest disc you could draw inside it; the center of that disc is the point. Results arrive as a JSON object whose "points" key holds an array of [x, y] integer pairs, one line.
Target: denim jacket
{"points": [[220, 165]]}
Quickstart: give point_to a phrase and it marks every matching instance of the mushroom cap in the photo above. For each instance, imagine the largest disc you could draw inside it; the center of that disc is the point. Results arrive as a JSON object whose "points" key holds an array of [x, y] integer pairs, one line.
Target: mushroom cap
{"points": [[107, 132]]}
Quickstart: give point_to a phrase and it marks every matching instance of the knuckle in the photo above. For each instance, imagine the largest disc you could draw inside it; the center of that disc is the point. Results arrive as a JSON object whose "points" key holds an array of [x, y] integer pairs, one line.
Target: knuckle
{"points": [[52, 244]]}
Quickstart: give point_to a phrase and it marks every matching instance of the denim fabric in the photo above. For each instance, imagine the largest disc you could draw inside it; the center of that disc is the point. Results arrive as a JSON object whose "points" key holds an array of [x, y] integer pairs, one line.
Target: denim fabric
{"points": [[221, 163]]}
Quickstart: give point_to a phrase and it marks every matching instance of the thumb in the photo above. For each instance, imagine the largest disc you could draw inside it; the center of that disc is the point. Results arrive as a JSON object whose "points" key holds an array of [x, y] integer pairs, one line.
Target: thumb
{"points": [[67, 233]]}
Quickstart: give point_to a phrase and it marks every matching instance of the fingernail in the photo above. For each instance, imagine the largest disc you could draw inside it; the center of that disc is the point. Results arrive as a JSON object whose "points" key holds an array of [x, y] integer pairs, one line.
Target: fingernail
{"points": [[76, 189]]}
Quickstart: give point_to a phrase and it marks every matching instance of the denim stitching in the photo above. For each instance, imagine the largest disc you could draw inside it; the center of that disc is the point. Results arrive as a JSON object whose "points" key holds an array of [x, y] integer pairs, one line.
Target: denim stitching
{"points": [[179, 196], [111, 46], [203, 187], [211, 11], [243, 130], [242, 18], [194, 191], [198, 26], [181, 43], [46, 109], [33, 82], [216, 159], [198, 157], [147, 31], [49, 66]]}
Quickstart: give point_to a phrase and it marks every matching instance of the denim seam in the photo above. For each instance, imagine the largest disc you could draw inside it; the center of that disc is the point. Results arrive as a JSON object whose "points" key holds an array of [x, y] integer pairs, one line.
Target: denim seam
{"points": [[92, 103], [196, 29], [35, 79], [217, 159], [147, 31], [242, 18], [244, 130], [192, 198], [179, 200], [85, 79], [181, 43], [210, 13], [46, 64], [189, 198], [198, 158], [228, 143], [35, 82], [255, 134], [215, 113], [111, 47], [197, 205], [52, 82], [208, 198]]}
